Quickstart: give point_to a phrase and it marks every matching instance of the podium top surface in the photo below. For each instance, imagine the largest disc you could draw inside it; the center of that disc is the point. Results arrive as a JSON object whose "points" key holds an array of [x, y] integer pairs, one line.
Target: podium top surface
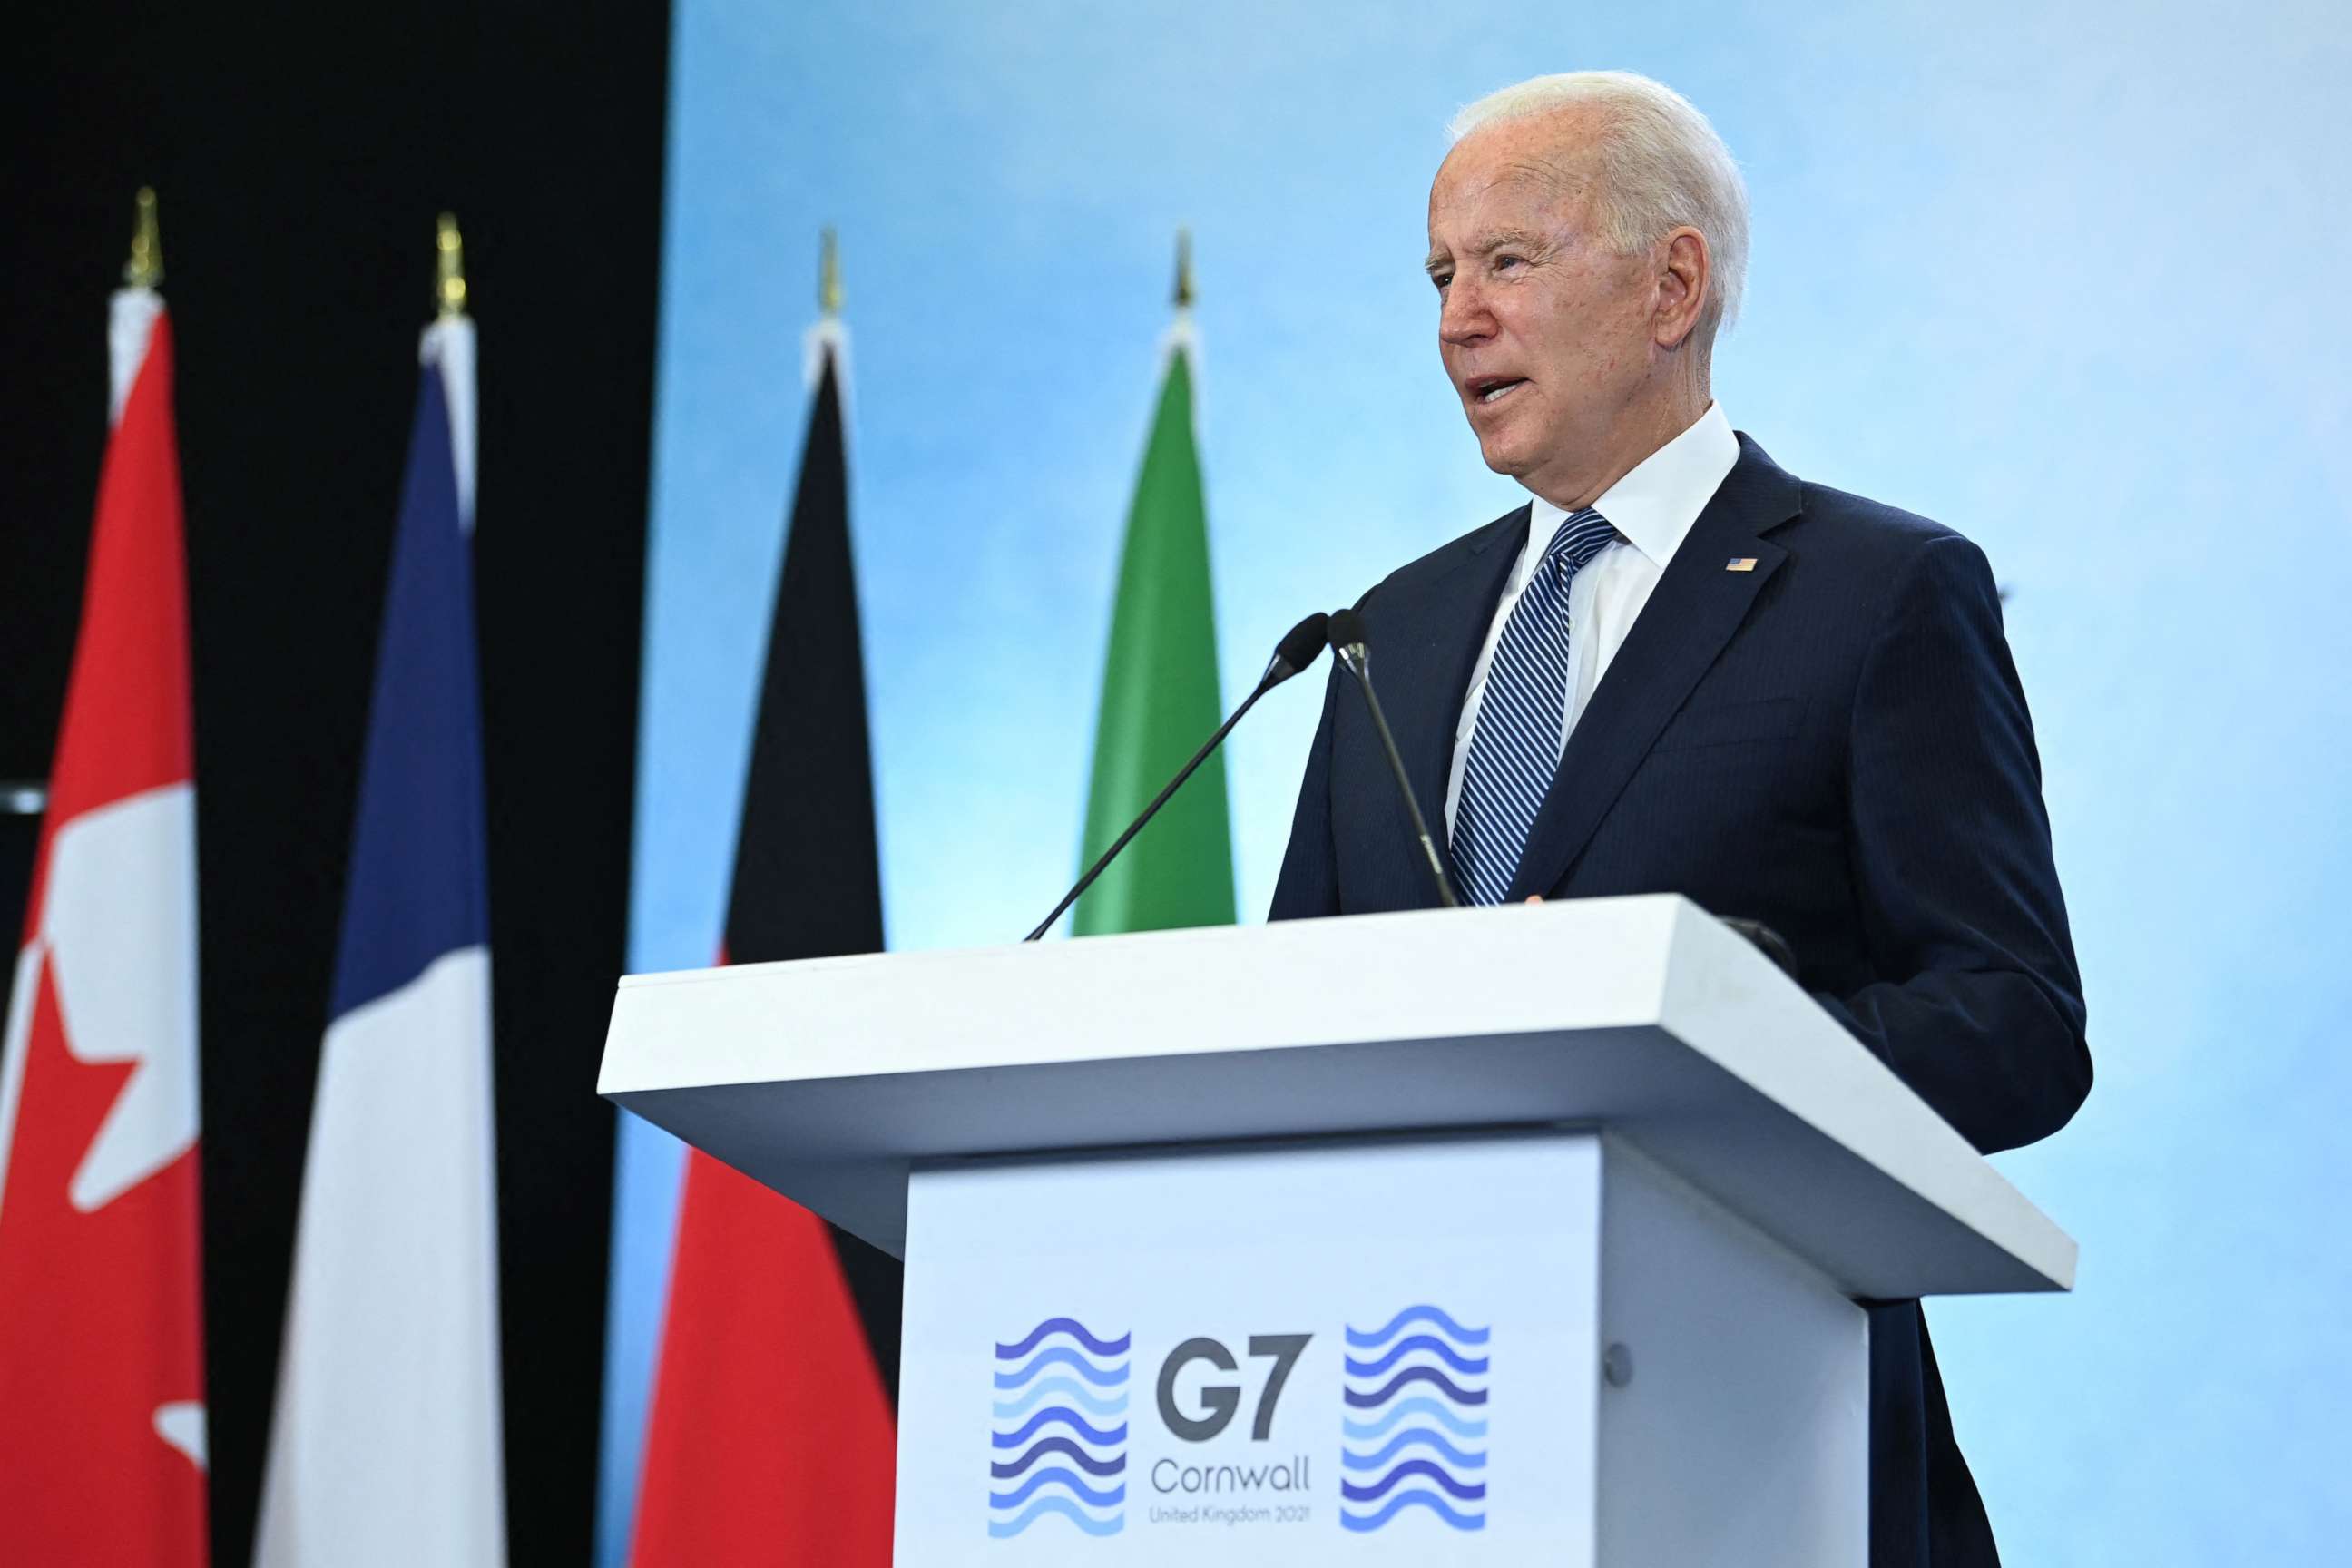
{"points": [[831, 1079]]}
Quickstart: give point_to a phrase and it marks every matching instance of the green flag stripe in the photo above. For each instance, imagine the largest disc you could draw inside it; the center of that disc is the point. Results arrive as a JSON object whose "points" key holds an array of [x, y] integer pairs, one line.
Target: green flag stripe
{"points": [[1159, 701]]}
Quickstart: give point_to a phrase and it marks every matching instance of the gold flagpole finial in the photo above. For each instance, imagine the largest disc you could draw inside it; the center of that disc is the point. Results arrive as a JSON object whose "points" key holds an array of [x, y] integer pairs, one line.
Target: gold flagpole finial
{"points": [[828, 276], [1184, 269], [145, 268], [449, 268]]}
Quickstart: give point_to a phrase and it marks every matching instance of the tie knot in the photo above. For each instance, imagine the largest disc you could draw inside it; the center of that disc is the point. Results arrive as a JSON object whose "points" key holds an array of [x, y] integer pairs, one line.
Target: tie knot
{"points": [[1581, 536]]}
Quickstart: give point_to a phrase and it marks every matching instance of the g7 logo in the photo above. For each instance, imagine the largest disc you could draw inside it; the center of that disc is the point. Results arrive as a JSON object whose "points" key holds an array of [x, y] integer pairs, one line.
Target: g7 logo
{"points": [[1223, 1398]]}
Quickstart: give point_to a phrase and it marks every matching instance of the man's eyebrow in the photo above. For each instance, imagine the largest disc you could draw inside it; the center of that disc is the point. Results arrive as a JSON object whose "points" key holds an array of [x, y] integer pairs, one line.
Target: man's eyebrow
{"points": [[1486, 244], [1523, 239]]}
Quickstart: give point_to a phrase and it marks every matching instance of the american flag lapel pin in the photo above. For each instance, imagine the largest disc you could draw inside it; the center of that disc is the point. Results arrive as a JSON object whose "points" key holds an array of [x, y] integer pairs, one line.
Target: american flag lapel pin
{"points": [[1741, 563]]}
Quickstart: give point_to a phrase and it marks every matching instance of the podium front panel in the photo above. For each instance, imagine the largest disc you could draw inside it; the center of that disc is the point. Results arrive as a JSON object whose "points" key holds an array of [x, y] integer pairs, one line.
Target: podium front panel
{"points": [[1375, 1352]]}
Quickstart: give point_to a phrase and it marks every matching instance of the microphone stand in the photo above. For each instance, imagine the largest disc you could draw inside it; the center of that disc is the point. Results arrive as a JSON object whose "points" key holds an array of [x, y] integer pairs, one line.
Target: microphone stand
{"points": [[1296, 650], [1108, 856], [1358, 660]]}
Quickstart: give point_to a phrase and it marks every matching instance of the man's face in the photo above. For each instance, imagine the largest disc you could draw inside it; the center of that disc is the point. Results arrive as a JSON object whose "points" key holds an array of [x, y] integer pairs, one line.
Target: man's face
{"points": [[1546, 335]]}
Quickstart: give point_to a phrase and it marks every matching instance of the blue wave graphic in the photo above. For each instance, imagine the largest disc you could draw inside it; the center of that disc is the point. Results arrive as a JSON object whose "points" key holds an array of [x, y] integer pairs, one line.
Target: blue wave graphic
{"points": [[1389, 1510], [1007, 1469], [1410, 1437], [1407, 1411], [1106, 1498], [1373, 1491], [1411, 1374], [1070, 1326], [1445, 1416], [1080, 1370], [1468, 1365], [1069, 1356], [1066, 1388], [1053, 1502], [1361, 1341], [1099, 1436]]}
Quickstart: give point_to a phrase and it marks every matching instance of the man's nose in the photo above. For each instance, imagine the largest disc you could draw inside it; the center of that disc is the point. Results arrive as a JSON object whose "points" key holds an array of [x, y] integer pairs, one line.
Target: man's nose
{"points": [[1464, 319]]}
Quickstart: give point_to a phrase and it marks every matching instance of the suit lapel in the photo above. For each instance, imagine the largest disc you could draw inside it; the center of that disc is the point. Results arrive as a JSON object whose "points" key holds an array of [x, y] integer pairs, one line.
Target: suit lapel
{"points": [[1421, 657], [1692, 614]]}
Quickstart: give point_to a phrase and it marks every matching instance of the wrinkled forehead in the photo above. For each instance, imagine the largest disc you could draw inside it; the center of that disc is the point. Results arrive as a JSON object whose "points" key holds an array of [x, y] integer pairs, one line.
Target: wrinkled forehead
{"points": [[1520, 169]]}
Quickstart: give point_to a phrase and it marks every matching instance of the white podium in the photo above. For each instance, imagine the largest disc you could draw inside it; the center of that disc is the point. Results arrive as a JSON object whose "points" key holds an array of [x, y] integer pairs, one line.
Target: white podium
{"points": [[1513, 1235]]}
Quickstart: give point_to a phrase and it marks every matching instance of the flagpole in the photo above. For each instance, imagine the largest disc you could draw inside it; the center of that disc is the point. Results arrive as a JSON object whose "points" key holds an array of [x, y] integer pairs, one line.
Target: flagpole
{"points": [[135, 307], [145, 268], [448, 268], [828, 333], [449, 343], [1181, 336]]}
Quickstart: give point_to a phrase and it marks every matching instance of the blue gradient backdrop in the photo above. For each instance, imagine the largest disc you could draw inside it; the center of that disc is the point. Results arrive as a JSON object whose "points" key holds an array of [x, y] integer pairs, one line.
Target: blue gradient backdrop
{"points": [[2068, 278]]}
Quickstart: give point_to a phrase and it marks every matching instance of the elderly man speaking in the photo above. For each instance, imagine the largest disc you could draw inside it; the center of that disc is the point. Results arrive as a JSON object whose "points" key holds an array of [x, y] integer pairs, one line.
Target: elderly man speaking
{"points": [[1681, 668]]}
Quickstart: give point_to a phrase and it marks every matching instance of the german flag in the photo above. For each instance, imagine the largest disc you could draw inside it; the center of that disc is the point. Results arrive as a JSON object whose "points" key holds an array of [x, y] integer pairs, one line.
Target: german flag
{"points": [[773, 1435]]}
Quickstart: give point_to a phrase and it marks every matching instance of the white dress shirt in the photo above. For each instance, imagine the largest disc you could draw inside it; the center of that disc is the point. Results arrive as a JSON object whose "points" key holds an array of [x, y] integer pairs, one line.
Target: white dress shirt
{"points": [[1653, 507]]}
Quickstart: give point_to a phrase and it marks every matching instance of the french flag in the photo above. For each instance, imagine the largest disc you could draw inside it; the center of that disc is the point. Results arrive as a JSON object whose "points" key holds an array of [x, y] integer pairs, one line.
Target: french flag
{"points": [[386, 1445]]}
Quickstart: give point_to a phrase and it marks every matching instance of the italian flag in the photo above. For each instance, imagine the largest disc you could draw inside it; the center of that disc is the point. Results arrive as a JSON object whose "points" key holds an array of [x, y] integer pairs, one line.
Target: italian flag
{"points": [[1160, 691]]}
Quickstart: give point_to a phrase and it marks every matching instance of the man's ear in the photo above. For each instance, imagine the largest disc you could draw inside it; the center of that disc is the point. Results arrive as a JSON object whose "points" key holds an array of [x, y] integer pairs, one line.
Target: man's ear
{"points": [[1685, 274]]}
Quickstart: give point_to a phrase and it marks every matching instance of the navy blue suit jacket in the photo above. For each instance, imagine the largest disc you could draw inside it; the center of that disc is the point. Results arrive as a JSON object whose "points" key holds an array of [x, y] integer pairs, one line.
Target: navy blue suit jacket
{"points": [[1834, 743]]}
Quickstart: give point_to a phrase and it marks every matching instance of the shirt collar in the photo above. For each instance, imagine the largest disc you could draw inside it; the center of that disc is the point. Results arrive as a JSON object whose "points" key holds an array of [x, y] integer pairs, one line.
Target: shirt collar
{"points": [[1654, 505]]}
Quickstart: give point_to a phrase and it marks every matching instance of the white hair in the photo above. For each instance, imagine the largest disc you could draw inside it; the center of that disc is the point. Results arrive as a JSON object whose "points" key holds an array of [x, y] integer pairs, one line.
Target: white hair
{"points": [[1661, 167]]}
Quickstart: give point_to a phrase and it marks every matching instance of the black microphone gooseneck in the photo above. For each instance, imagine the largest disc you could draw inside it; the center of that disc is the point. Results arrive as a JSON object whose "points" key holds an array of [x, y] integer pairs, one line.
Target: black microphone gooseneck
{"points": [[1297, 649], [1348, 645]]}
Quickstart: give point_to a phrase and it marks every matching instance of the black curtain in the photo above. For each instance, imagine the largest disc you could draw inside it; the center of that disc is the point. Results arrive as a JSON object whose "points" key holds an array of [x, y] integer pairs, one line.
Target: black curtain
{"points": [[300, 154]]}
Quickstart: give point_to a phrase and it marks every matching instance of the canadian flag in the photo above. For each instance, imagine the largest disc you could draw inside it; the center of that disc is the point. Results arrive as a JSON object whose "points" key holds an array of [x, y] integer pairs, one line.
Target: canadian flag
{"points": [[101, 1333]]}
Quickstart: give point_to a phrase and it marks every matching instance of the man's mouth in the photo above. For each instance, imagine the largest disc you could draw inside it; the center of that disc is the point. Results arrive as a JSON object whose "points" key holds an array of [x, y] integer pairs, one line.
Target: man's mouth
{"points": [[1493, 388]]}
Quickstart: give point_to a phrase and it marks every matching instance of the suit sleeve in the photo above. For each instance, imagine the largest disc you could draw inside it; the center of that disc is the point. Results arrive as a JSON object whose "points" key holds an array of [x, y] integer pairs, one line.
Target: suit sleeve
{"points": [[1310, 883], [1952, 871]]}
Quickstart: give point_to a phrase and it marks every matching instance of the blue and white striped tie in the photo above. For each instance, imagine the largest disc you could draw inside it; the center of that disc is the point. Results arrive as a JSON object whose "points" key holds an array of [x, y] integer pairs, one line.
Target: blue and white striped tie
{"points": [[1516, 746]]}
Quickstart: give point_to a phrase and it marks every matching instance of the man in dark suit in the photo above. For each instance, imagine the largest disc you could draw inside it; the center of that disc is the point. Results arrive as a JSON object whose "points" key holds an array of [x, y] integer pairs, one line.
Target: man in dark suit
{"points": [[1680, 668]]}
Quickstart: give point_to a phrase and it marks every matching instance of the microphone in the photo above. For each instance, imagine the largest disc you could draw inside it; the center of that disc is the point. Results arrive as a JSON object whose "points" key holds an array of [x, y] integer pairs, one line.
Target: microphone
{"points": [[1348, 644], [1298, 648]]}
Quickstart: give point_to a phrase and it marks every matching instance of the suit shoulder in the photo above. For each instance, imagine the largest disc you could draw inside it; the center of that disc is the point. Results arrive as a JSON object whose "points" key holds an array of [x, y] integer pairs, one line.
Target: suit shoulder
{"points": [[1880, 541], [1888, 563], [1423, 569], [1873, 534]]}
